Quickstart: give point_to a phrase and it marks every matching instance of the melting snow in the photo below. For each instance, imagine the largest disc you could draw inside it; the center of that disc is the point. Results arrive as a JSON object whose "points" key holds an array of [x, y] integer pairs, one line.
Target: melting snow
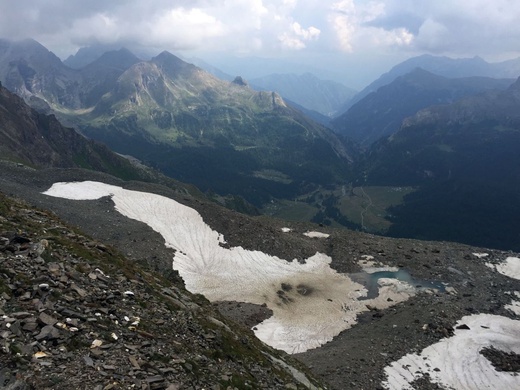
{"points": [[514, 306], [456, 362], [316, 234], [286, 229], [370, 267], [311, 302], [509, 267]]}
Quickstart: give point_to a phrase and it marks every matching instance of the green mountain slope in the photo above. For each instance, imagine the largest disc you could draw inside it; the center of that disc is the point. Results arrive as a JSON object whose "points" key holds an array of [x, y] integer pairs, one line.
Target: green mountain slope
{"points": [[381, 113], [464, 159], [220, 135]]}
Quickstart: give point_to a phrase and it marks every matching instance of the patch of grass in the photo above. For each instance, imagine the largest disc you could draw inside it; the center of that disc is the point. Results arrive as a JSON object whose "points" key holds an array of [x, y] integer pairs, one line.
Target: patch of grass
{"points": [[372, 202], [271, 174]]}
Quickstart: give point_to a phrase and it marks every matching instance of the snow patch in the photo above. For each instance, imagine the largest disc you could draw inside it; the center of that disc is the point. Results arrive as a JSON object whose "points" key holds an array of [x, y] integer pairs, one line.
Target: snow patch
{"points": [[456, 362], [286, 230], [371, 267], [481, 255], [311, 302], [316, 234], [509, 267], [514, 306]]}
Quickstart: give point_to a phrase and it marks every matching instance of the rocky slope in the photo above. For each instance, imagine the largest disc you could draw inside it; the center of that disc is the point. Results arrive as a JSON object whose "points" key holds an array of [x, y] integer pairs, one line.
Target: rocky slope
{"points": [[75, 313], [380, 336]]}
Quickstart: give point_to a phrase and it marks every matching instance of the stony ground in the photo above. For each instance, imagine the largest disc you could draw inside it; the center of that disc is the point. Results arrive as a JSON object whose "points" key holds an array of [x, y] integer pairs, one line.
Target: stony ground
{"points": [[76, 314], [356, 358]]}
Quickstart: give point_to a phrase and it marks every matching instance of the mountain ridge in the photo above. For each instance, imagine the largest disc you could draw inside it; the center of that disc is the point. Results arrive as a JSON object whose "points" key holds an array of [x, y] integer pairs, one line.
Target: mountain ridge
{"points": [[442, 66], [184, 121], [381, 113], [307, 90]]}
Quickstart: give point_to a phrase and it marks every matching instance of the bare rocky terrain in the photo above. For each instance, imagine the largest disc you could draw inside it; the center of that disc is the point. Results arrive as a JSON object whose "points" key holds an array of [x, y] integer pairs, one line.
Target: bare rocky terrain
{"points": [[353, 360], [75, 313]]}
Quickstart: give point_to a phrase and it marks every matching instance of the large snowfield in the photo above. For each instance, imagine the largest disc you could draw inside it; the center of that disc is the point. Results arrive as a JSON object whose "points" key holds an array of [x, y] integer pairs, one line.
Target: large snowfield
{"points": [[311, 302]]}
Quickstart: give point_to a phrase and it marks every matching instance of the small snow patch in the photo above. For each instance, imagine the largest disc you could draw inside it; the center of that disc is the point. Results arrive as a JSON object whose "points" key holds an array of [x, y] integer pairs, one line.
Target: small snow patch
{"points": [[481, 255], [371, 267], [509, 267], [514, 307], [286, 230], [316, 234]]}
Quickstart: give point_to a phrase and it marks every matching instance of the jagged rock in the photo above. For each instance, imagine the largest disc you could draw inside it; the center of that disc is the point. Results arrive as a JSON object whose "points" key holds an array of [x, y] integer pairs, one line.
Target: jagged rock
{"points": [[240, 81], [48, 332], [46, 319]]}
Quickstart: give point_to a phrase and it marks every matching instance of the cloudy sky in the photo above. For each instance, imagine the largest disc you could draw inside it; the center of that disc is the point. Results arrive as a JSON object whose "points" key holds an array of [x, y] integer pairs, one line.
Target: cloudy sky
{"points": [[349, 40]]}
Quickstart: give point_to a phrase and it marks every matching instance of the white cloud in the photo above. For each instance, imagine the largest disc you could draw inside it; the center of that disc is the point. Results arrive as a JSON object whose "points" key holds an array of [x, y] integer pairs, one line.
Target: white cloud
{"points": [[184, 28], [297, 35], [459, 27], [351, 23], [353, 28], [104, 28]]}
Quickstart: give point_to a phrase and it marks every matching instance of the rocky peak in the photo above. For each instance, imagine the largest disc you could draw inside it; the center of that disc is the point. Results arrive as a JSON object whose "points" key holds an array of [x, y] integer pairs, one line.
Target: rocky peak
{"points": [[240, 81], [171, 64], [122, 58]]}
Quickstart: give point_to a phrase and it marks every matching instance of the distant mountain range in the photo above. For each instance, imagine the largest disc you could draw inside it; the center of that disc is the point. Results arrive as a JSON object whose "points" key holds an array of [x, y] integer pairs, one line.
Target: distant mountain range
{"points": [[323, 96], [306, 92], [452, 141], [442, 66], [380, 113], [222, 136]]}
